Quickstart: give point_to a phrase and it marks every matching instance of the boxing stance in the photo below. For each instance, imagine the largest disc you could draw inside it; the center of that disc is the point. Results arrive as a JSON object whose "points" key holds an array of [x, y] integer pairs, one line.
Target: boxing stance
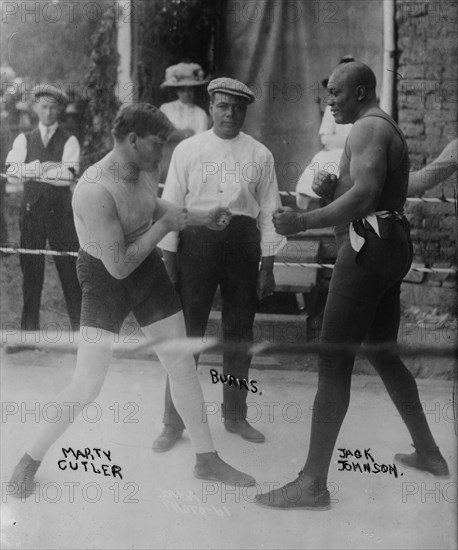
{"points": [[363, 304], [120, 271]]}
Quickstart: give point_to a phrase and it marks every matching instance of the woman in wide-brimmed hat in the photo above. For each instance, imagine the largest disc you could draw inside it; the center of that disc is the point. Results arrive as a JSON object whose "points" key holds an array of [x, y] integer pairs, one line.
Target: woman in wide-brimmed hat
{"points": [[188, 118]]}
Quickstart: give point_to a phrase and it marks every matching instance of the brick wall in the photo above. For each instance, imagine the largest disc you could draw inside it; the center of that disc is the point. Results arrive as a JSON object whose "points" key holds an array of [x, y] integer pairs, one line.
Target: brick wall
{"points": [[426, 103]]}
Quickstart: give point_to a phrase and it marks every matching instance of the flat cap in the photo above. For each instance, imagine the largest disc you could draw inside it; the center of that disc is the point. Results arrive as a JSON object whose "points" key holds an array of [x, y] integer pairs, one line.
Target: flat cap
{"points": [[50, 90], [232, 87]]}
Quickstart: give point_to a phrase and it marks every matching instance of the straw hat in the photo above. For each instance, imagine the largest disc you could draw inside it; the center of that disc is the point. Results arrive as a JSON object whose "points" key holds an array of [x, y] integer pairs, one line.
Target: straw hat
{"points": [[184, 74]]}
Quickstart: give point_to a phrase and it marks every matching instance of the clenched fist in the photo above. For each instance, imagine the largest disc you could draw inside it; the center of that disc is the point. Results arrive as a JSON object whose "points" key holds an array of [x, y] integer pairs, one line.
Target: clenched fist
{"points": [[175, 219], [219, 218], [287, 221], [324, 185]]}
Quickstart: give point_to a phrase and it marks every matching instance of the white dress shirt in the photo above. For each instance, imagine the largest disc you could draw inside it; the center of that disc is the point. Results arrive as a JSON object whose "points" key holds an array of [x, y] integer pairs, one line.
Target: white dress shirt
{"points": [[207, 171], [184, 116], [51, 172]]}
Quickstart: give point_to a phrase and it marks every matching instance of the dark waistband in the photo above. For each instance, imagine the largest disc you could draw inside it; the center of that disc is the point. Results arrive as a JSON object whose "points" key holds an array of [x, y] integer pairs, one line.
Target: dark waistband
{"points": [[239, 218], [388, 215], [237, 221], [240, 229]]}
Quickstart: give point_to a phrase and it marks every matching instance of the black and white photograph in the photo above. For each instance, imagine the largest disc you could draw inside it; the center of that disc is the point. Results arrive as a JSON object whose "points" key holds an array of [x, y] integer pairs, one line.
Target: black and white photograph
{"points": [[228, 274]]}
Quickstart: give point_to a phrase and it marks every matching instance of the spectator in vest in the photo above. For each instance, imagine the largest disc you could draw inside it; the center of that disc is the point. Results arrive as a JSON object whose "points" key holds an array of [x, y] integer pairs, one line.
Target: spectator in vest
{"points": [[45, 160]]}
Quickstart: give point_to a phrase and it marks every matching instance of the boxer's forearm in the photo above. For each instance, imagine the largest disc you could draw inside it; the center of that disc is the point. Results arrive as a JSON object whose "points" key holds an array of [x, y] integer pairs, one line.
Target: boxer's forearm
{"points": [[430, 176], [348, 207], [198, 217]]}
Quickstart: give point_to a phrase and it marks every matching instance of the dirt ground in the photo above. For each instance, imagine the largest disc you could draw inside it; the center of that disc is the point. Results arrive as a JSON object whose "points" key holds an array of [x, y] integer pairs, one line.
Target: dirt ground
{"points": [[159, 504]]}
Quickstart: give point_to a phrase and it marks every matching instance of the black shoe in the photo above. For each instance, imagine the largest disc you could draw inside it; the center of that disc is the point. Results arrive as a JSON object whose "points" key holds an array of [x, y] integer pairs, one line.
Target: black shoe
{"points": [[211, 467], [167, 439], [244, 429], [302, 493], [23, 477], [431, 461]]}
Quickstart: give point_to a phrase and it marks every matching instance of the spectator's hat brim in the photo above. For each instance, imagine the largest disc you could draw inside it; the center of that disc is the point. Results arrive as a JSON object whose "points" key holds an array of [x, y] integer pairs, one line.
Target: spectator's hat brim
{"points": [[232, 87], [184, 75], [184, 83], [50, 90]]}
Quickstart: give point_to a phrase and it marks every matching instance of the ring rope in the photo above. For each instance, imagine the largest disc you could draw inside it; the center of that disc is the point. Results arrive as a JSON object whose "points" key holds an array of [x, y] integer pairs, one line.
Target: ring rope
{"points": [[35, 340], [314, 265], [409, 199]]}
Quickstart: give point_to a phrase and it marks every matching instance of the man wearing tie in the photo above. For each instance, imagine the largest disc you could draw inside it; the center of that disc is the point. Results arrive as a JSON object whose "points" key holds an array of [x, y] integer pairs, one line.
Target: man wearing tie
{"points": [[46, 160]]}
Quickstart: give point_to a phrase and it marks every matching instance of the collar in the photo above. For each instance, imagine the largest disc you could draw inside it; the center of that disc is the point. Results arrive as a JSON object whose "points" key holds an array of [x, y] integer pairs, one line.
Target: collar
{"points": [[44, 128], [226, 141], [185, 105]]}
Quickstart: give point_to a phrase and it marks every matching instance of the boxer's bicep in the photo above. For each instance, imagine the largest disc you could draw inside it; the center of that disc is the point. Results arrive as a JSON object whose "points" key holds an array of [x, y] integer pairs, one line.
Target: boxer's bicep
{"points": [[368, 162]]}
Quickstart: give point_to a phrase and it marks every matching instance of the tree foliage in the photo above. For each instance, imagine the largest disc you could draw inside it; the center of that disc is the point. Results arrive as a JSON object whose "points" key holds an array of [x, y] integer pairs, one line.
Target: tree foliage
{"points": [[75, 42], [101, 101], [169, 32], [48, 41]]}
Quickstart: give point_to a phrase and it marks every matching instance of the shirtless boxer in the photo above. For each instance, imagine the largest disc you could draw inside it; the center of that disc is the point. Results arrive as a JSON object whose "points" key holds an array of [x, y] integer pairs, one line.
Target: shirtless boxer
{"points": [[374, 254], [120, 271]]}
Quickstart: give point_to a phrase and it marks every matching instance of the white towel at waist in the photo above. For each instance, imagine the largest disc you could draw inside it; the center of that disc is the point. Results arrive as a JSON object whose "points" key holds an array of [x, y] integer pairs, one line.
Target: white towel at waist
{"points": [[357, 241]]}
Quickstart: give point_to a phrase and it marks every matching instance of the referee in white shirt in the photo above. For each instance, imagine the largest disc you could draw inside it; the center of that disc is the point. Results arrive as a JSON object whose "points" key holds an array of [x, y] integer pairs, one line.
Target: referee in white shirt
{"points": [[46, 160], [223, 167]]}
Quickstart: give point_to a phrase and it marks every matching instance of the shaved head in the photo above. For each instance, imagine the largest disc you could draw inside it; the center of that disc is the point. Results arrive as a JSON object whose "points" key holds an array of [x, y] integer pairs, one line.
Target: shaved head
{"points": [[355, 74], [351, 90]]}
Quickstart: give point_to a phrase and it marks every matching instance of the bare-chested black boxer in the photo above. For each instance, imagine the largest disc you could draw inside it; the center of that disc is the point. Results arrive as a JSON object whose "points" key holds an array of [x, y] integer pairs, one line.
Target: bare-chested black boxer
{"points": [[363, 305]]}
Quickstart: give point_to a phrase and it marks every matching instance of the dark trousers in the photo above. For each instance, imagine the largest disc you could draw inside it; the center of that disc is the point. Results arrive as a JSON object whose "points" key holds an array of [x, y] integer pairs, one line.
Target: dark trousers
{"points": [[364, 305], [48, 218], [230, 259]]}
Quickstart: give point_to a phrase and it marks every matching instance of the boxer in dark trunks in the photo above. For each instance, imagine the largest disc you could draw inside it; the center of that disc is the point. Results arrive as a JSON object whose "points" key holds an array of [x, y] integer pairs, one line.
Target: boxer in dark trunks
{"points": [[115, 204], [363, 305]]}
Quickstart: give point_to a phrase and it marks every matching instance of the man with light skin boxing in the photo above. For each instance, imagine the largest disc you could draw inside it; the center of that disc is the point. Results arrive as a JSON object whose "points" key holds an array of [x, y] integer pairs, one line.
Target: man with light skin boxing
{"points": [[119, 221]]}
